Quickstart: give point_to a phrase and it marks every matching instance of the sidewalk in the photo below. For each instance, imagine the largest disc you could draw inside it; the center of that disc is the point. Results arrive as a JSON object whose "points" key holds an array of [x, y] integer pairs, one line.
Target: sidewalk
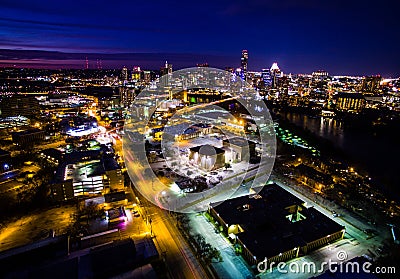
{"points": [[232, 266]]}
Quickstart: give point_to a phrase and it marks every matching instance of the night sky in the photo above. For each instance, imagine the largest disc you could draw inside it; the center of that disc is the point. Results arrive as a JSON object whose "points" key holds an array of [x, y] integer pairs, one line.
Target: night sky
{"points": [[343, 37]]}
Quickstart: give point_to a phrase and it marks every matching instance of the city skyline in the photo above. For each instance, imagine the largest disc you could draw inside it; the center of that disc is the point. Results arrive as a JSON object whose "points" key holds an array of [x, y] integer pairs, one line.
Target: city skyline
{"points": [[54, 60], [115, 164], [199, 139], [351, 39]]}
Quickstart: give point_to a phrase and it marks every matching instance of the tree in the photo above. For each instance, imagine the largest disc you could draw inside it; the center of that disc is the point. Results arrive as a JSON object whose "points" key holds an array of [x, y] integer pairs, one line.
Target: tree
{"points": [[227, 166], [152, 157], [213, 254], [92, 210], [183, 221]]}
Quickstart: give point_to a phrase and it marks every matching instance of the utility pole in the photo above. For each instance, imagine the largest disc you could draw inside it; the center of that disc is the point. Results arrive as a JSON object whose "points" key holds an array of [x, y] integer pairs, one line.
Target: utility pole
{"points": [[151, 227]]}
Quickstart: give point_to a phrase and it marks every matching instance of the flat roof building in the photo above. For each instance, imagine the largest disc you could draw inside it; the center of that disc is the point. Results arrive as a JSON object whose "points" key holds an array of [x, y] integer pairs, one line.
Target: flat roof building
{"points": [[184, 131], [28, 137], [241, 149], [86, 173], [274, 224], [16, 105], [313, 178], [51, 258], [350, 102], [52, 155]]}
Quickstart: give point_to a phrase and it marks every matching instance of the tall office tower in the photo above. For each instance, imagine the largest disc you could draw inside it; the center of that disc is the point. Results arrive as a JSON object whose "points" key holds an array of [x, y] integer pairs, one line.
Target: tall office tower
{"points": [[243, 63], [136, 73], [124, 74], [147, 76], [166, 70], [266, 77], [371, 84], [239, 73], [276, 73], [169, 67], [126, 96]]}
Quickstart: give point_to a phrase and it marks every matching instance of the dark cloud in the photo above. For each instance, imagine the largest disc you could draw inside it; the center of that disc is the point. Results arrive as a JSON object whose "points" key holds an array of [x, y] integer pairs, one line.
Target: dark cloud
{"points": [[36, 24]]}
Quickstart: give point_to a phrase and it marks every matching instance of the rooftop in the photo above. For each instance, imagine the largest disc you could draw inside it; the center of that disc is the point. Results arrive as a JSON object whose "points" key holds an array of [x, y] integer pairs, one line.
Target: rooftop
{"points": [[275, 221], [201, 125], [110, 164], [83, 170], [4, 152], [238, 141], [116, 213], [84, 165], [207, 149], [49, 259], [115, 196], [53, 153], [350, 95], [26, 132]]}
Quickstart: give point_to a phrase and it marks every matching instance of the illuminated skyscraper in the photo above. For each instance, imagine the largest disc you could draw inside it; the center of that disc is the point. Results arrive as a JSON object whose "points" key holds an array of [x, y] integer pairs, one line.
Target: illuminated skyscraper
{"points": [[124, 74], [167, 69], [243, 63], [126, 96], [239, 73], [136, 73], [147, 76], [371, 84], [166, 73], [266, 77], [275, 69], [276, 73]]}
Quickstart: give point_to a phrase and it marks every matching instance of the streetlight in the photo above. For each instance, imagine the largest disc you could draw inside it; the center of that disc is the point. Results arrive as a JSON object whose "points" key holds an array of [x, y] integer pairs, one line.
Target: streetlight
{"points": [[151, 227]]}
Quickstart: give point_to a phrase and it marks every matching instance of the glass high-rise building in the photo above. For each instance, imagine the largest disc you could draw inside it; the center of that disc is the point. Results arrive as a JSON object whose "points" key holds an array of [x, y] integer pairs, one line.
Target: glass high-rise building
{"points": [[243, 62], [266, 77], [124, 74], [276, 73]]}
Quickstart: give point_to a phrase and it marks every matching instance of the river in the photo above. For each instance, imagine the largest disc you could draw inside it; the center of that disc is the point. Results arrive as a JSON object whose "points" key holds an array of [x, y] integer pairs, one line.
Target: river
{"points": [[378, 154]]}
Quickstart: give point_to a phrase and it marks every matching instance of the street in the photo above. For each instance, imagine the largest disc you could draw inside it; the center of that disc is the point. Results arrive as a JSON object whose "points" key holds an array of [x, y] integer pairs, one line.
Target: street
{"points": [[179, 259]]}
